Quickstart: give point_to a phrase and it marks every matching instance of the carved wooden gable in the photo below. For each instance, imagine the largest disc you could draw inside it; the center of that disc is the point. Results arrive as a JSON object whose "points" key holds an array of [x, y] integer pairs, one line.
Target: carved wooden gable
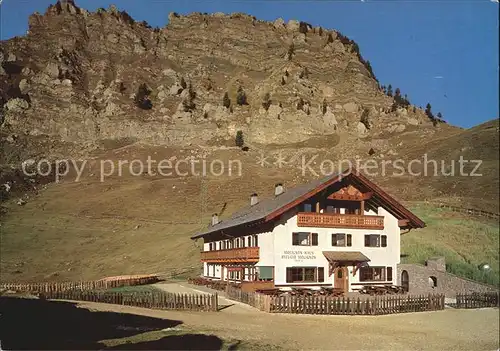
{"points": [[349, 193]]}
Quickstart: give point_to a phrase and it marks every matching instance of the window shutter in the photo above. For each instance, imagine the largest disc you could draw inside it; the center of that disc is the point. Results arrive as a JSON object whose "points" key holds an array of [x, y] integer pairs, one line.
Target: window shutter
{"points": [[314, 239], [367, 240], [389, 274], [321, 274], [349, 240], [384, 240], [288, 275]]}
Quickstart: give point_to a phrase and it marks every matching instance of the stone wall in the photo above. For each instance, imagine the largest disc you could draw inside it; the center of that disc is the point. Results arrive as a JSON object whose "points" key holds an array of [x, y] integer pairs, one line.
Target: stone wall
{"points": [[431, 278]]}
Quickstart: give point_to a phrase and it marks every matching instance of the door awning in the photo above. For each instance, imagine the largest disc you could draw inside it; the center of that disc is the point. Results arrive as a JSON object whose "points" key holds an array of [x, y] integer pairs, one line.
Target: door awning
{"points": [[345, 256]]}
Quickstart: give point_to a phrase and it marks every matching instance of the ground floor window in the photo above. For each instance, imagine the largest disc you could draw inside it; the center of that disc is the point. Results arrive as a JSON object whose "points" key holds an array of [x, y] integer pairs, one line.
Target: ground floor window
{"points": [[305, 274], [375, 274], [265, 273]]}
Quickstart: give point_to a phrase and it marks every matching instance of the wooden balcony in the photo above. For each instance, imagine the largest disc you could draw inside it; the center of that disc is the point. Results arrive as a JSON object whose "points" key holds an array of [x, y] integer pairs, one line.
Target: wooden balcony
{"points": [[244, 254], [333, 220]]}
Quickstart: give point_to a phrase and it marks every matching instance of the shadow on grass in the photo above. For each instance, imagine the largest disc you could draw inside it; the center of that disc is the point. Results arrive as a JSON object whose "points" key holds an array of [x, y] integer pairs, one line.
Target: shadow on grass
{"points": [[32, 324]]}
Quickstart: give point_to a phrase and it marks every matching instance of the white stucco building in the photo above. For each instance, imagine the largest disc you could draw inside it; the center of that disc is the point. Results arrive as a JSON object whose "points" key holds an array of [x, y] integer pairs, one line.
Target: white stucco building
{"points": [[341, 231]]}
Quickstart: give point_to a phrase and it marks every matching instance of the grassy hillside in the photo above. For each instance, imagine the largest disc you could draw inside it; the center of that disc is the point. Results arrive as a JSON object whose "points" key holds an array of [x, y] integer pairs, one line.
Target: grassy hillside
{"points": [[465, 242], [60, 236]]}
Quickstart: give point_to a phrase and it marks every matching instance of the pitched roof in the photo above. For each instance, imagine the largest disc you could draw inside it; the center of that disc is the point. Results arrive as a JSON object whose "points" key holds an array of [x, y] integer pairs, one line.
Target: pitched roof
{"points": [[267, 209]]}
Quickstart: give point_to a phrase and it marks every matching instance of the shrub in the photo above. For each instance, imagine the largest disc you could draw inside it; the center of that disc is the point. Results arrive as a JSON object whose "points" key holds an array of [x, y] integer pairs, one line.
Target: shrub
{"points": [[283, 82], [266, 103], [365, 118], [226, 102], [304, 73], [192, 93], [320, 31], [324, 106], [303, 28], [300, 104], [122, 88], [241, 97], [183, 83], [330, 38], [142, 97], [290, 52], [389, 90], [238, 140]]}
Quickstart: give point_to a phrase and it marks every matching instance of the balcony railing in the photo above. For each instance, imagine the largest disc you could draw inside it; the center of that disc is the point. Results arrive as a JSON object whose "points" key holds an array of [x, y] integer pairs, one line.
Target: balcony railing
{"points": [[333, 220], [244, 254]]}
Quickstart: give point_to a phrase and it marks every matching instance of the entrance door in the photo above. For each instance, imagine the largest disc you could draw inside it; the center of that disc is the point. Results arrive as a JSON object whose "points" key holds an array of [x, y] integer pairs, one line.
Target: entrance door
{"points": [[341, 278], [405, 281]]}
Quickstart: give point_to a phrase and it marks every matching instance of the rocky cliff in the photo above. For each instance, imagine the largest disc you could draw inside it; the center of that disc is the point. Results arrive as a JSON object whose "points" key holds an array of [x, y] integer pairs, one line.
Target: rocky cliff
{"points": [[77, 78]]}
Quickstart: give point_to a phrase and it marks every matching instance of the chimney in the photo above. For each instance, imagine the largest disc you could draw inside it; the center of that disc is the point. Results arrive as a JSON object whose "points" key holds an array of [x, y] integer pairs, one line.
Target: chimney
{"points": [[215, 219], [254, 199], [278, 189]]}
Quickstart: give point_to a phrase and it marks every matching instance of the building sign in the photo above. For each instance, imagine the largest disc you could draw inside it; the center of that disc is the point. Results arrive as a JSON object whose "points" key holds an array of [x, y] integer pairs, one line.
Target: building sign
{"points": [[298, 255]]}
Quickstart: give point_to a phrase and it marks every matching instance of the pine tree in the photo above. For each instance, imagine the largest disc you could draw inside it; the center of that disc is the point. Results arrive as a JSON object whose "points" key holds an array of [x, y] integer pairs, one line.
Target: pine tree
{"points": [[389, 90], [439, 115], [397, 93], [241, 97], [330, 38], [428, 111], [183, 83], [226, 102], [365, 118], [290, 52], [142, 97], [238, 140], [266, 103], [300, 104]]}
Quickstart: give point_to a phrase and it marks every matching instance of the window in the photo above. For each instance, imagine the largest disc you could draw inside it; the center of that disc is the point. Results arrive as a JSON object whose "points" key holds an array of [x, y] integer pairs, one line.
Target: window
{"points": [[255, 240], [389, 274], [372, 274], [249, 241], [242, 242], [305, 239], [341, 239], [305, 274], [433, 283], [265, 273], [307, 208], [375, 240]]}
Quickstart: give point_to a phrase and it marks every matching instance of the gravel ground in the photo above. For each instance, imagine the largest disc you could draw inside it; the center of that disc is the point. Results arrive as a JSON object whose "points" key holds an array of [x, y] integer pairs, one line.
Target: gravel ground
{"points": [[442, 330]]}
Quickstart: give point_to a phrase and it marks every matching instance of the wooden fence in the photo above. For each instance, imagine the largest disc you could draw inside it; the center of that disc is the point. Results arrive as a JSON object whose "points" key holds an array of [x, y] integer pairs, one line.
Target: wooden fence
{"points": [[338, 305], [106, 283], [154, 300], [260, 301], [478, 300], [470, 211]]}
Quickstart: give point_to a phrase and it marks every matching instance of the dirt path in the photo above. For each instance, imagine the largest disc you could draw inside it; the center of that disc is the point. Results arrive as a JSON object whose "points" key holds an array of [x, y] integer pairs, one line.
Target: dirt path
{"points": [[442, 330]]}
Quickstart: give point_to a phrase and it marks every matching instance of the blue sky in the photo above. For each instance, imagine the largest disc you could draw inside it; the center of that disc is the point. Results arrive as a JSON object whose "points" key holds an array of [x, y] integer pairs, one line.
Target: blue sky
{"points": [[442, 52]]}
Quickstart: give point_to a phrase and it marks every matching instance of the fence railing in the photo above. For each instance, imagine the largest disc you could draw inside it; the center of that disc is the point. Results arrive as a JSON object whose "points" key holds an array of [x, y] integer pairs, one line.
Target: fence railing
{"points": [[478, 300], [106, 283], [154, 300], [260, 301], [338, 305], [356, 306]]}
